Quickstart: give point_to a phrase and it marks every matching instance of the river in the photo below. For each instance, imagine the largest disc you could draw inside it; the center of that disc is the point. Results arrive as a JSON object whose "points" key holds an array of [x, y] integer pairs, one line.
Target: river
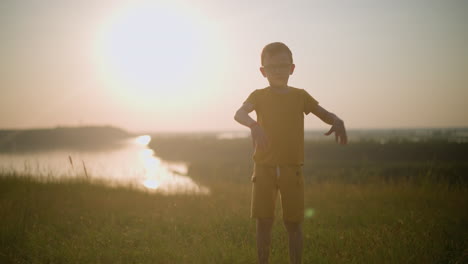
{"points": [[133, 164]]}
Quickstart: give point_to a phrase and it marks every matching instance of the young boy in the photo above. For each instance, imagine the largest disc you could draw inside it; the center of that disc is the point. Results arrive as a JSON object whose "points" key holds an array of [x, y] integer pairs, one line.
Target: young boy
{"points": [[278, 138]]}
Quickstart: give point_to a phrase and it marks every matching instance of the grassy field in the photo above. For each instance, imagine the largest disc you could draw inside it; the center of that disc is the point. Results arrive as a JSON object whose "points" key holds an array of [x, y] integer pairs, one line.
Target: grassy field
{"points": [[367, 211]]}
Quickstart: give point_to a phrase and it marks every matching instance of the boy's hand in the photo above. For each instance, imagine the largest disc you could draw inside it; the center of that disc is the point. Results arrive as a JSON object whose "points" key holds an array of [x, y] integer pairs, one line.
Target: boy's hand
{"points": [[340, 132], [259, 139]]}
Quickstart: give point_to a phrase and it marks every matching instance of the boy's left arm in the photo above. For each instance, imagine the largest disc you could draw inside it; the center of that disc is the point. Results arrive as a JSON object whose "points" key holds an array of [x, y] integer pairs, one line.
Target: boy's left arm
{"points": [[336, 123]]}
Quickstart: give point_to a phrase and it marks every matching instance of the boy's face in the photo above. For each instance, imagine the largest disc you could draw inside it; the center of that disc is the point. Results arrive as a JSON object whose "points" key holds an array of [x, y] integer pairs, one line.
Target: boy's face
{"points": [[277, 68]]}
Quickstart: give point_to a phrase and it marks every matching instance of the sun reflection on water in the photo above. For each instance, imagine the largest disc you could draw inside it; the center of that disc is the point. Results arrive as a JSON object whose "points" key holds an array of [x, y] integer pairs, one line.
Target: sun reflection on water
{"points": [[151, 184], [164, 176], [133, 164], [143, 140]]}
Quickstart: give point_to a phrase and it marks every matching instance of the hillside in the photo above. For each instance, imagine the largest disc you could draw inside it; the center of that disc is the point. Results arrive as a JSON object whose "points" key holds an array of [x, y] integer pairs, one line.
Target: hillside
{"points": [[82, 138]]}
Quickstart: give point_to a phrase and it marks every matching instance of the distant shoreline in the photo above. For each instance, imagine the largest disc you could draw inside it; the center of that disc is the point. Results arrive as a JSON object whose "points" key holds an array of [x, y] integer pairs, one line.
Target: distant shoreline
{"points": [[141, 132], [105, 137], [89, 137]]}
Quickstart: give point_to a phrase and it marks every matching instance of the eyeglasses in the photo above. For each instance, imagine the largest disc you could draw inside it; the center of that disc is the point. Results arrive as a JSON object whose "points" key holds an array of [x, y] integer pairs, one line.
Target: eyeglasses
{"points": [[277, 67]]}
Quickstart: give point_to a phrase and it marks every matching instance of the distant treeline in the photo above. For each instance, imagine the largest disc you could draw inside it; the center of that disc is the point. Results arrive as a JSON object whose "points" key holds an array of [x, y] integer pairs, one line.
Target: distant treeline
{"points": [[79, 138], [240, 150], [363, 161], [392, 151]]}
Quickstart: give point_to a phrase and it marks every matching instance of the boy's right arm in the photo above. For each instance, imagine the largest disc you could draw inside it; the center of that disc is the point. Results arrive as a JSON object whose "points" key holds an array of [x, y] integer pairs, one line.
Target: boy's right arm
{"points": [[242, 115], [243, 118]]}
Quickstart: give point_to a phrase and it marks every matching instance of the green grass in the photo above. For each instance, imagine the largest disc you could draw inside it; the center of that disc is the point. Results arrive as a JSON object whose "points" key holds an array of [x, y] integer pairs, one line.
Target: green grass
{"points": [[73, 221], [369, 203]]}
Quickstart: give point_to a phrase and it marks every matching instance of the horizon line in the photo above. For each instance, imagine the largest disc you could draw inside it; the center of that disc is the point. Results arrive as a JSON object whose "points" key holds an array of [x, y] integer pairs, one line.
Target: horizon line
{"points": [[240, 130]]}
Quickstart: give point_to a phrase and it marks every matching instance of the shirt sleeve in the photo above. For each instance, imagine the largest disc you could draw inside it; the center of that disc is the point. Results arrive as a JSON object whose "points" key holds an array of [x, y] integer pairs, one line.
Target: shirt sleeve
{"points": [[252, 99], [309, 102]]}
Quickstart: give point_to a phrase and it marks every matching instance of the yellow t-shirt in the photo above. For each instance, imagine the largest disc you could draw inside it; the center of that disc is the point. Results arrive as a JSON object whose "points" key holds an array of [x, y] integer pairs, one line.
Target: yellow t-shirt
{"points": [[282, 118]]}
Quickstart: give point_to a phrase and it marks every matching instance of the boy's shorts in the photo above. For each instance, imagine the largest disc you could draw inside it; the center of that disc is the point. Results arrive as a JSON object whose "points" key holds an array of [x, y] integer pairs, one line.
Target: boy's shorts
{"points": [[267, 181]]}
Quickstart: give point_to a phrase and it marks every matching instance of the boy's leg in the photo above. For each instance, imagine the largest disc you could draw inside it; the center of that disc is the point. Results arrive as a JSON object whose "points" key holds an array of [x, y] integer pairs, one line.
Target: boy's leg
{"points": [[292, 201], [264, 226], [264, 194], [295, 241]]}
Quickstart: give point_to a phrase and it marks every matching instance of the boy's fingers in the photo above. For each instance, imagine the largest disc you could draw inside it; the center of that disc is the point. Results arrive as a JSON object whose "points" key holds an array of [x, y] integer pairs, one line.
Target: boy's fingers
{"points": [[259, 143], [260, 140], [343, 138], [329, 131]]}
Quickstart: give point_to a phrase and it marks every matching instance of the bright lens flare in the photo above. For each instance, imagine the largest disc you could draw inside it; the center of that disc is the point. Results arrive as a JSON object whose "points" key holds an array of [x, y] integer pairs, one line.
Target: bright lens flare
{"points": [[309, 213]]}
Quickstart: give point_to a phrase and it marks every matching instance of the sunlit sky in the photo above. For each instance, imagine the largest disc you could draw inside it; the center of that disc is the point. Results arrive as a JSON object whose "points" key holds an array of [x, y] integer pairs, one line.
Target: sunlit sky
{"points": [[188, 65]]}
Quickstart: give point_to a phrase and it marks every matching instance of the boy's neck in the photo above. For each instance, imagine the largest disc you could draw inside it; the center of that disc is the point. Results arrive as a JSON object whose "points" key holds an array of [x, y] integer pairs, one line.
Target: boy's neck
{"points": [[280, 89]]}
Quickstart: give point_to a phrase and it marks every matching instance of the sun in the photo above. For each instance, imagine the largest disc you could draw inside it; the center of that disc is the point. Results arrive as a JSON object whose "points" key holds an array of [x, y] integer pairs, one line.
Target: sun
{"points": [[151, 50]]}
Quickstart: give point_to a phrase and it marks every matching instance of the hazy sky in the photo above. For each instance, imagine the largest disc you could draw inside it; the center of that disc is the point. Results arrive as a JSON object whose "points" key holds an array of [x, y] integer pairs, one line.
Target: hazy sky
{"points": [[189, 65]]}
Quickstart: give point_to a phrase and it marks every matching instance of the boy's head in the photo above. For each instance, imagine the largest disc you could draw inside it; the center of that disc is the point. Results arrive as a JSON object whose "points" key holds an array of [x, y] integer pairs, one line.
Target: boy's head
{"points": [[277, 63], [274, 49]]}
